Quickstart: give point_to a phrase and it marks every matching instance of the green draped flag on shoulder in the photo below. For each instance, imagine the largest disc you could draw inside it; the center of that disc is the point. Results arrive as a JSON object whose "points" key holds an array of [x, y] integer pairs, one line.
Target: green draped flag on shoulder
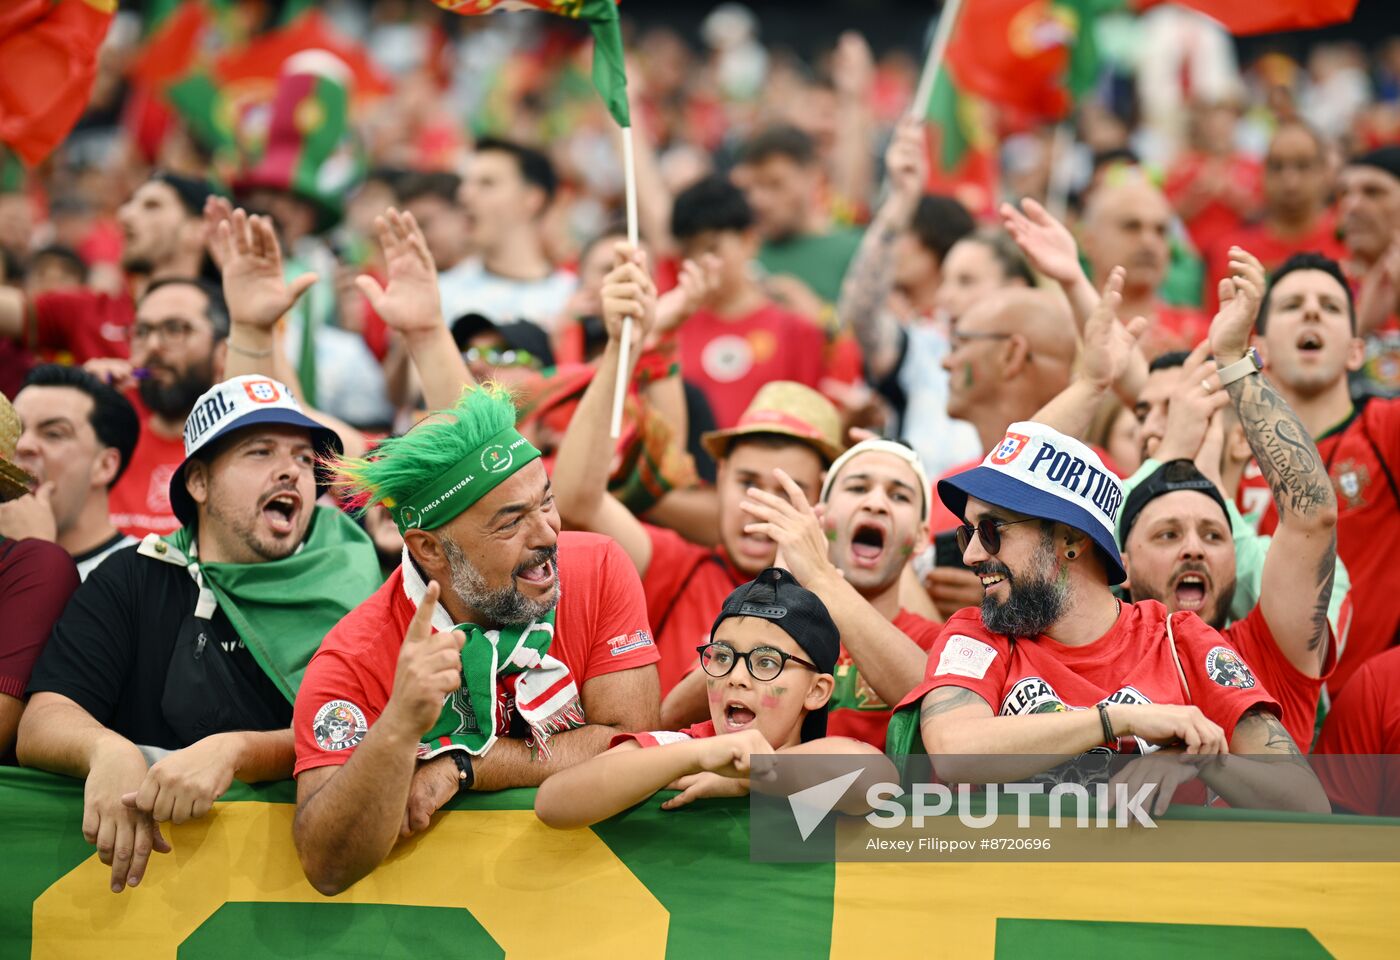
{"points": [[609, 71], [283, 608]]}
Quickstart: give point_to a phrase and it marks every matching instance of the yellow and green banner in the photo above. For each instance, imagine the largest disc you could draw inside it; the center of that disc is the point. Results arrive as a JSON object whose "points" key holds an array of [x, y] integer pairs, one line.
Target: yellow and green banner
{"points": [[487, 879]]}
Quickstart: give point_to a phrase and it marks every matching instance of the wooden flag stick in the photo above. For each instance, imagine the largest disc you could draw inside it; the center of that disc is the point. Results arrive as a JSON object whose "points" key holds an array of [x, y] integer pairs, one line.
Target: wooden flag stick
{"points": [[946, 21], [624, 366]]}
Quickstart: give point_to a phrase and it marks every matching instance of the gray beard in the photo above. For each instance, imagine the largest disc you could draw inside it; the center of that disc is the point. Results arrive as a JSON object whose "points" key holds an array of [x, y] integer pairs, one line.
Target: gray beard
{"points": [[506, 605]]}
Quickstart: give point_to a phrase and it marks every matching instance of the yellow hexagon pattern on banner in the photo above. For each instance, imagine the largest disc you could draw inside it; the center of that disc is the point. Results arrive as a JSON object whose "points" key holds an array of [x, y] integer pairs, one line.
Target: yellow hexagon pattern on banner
{"points": [[504, 866]]}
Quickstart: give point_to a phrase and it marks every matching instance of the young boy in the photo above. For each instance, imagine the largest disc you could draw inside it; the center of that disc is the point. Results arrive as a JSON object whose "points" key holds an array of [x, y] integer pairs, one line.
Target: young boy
{"points": [[774, 702]]}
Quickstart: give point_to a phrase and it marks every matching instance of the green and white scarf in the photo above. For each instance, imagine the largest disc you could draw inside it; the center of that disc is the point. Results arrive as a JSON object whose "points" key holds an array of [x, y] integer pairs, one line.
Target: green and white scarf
{"points": [[514, 658]]}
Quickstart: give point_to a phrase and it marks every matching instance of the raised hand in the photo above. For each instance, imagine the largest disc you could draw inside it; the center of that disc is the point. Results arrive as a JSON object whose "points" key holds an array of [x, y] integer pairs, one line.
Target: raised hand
{"points": [[1193, 403], [1108, 343], [697, 281], [793, 525], [1046, 242], [906, 159], [255, 289], [409, 301], [217, 209], [1240, 294], [30, 516], [428, 671], [628, 291], [852, 65]]}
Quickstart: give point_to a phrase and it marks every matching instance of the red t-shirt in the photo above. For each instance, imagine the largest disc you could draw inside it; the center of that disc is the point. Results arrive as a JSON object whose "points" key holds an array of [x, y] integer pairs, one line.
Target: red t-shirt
{"points": [[1217, 219], [1296, 692], [1174, 328], [1132, 663], [658, 738], [600, 627], [685, 586], [1364, 722], [140, 502], [730, 359], [855, 710], [941, 519], [74, 326], [36, 580], [1362, 456], [1271, 249]]}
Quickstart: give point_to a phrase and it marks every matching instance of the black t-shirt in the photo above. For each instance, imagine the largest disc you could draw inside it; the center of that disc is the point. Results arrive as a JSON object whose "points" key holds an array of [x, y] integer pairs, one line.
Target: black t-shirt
{"points": [[130, 651]]}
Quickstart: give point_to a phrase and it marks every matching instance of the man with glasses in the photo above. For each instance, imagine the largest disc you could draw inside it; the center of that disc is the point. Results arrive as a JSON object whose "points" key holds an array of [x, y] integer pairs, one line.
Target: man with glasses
{"points": [[1010, 354], [1053, 666], [178, 345], [510, 353], [163, 236]]}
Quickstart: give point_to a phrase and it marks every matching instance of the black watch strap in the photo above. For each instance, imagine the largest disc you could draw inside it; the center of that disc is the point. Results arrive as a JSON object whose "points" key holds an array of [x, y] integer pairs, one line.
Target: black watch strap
{"points": [[466, 776]]}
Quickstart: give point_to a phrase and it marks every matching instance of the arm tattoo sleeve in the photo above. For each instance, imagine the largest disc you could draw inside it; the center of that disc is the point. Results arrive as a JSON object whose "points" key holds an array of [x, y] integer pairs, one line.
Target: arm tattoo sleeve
{"points": [[1295, 472], [868, 284], [1276, 738], [1287, 456]]}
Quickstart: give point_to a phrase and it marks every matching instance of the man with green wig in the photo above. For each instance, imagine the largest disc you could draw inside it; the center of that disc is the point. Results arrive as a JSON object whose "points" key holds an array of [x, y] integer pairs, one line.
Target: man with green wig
{"points": [[499, 651]]}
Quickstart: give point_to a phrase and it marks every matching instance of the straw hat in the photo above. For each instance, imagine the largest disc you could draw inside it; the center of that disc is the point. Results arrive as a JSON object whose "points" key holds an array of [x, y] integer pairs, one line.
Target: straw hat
{"points": [[789, 409], [14, 482]]}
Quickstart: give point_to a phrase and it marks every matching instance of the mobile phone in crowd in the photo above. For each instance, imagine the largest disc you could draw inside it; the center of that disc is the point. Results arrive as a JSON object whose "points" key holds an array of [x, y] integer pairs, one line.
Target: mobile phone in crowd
{"points": [[943, 552]]}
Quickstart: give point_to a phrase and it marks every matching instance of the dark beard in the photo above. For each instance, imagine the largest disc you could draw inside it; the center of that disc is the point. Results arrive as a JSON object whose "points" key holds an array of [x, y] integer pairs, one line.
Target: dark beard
{"points": [[1035, 604], [507, 605], [177, 400]]}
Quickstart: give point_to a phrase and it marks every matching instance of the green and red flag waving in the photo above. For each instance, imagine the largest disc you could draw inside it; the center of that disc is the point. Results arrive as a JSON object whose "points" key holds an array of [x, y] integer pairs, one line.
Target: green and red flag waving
{"points": [[609, 71]]}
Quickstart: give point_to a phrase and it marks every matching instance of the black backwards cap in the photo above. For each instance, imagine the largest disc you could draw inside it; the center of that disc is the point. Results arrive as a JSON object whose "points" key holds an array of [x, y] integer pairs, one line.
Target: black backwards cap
{"points": [[776, 596], [192, 191], [1168, 478]]}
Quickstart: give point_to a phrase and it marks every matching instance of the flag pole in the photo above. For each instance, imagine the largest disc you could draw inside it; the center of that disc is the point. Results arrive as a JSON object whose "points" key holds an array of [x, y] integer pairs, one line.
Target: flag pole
{"points": [[629, 170], [946, 21]]}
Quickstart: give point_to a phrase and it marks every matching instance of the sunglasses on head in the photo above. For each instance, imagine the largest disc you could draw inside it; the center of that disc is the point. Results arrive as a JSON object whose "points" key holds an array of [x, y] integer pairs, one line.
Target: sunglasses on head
{"points": [[988, 530]]}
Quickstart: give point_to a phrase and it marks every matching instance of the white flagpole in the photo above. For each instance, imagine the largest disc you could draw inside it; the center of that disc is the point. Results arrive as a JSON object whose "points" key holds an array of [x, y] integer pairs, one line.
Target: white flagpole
{"points": [[946, 20], [629, 170]]}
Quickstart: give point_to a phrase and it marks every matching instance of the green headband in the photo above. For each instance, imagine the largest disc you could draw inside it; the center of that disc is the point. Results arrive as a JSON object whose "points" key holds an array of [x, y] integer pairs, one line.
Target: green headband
{"points": [[465, 482]]}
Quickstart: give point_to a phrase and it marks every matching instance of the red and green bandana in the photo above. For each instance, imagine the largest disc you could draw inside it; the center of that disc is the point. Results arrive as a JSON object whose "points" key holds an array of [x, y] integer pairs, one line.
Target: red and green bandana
{"points": [[464, 483]]}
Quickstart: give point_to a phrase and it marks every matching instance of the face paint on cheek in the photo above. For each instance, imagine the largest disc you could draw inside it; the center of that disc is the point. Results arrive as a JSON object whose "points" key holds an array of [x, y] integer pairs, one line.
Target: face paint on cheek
{"points": [[907, 547], [712, 690], [773, 698], [967, 375]]}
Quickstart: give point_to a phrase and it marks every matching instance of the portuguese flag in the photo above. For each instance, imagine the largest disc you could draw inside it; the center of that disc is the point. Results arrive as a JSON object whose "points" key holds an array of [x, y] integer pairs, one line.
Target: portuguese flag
{"points": [[964, 146], [487, 879], [609, 70], [48, 49]]}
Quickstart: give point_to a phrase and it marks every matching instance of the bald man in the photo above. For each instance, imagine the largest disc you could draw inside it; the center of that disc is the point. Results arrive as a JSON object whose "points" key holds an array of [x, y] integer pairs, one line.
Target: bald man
{"points": [[1125, 223], [1011, 353]]}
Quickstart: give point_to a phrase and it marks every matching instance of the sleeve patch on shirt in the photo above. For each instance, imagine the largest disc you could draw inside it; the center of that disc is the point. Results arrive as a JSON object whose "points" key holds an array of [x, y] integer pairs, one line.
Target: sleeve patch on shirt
{"points": [[338, 725], [628, 642], [1227, 668], [659, 738], [964, 656]]}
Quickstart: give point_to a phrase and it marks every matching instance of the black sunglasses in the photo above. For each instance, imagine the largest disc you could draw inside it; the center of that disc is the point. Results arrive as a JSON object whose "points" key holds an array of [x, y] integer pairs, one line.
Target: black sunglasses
{"points": [[988, 530], [764, 663]]}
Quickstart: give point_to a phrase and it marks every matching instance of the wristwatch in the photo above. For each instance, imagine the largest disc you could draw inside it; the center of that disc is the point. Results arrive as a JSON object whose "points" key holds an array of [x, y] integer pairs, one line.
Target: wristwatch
{"points": [[1251, 362], [465, 775]]}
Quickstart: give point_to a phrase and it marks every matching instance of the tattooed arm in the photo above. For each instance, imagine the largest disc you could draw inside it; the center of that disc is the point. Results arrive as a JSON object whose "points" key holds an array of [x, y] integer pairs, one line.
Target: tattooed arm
{"points": [[870, 278], [1266, 770], [1301, 563]]}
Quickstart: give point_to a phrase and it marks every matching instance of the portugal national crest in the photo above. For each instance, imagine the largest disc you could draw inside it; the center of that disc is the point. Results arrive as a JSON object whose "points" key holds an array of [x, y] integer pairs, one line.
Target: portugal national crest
{"points": [[1009, 449], [262, 391]]}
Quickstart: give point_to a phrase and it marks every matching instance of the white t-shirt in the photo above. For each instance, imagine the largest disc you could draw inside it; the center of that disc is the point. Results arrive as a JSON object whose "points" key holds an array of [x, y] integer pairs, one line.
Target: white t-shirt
{"points": [[941, 442], [469, 288]]}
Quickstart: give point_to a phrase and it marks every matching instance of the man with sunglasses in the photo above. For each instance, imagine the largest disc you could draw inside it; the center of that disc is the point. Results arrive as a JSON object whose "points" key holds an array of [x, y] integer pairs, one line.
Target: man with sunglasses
{"points": [[510, 353], [1053, 666]]}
